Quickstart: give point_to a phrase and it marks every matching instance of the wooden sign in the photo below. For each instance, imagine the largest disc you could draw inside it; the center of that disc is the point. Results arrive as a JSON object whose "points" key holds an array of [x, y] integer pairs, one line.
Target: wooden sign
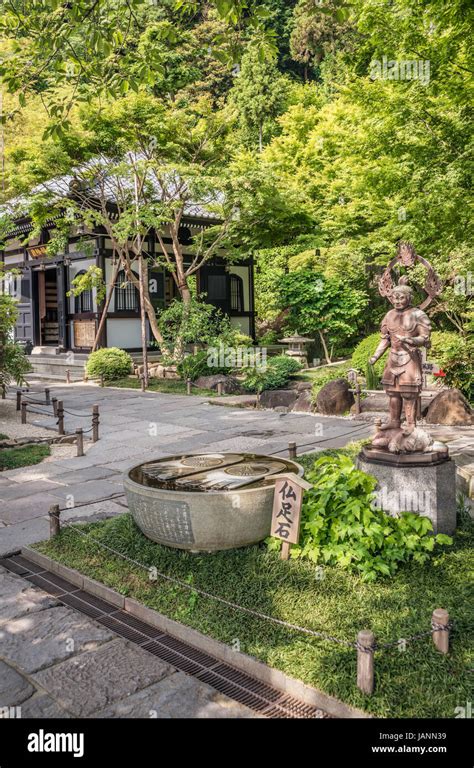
{"points": [[430, 367], [37, 251], [84, 333], [286, 516]]}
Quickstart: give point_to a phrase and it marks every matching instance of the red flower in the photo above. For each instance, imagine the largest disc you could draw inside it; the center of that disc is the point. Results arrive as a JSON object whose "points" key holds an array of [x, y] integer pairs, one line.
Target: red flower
{"points": [[440, 373]]}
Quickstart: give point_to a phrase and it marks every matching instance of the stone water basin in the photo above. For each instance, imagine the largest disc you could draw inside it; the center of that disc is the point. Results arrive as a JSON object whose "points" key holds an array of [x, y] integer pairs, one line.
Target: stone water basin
{"points": [[205, 502]]}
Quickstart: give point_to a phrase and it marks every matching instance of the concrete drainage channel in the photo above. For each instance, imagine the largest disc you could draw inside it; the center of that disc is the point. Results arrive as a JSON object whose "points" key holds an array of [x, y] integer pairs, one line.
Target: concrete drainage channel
{"points": [[243, 688]]}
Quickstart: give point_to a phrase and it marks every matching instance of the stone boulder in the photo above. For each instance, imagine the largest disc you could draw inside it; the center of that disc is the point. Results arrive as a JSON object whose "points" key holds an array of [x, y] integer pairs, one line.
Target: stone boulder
{"points": [[230, 385], [156, 371], [300, 386], [304, 403], [373, 403], [278, 398], [334, 398], [449, 407]]}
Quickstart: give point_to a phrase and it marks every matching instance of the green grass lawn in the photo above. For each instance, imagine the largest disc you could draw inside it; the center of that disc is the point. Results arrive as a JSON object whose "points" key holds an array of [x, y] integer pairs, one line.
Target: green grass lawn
{"points": [[417, 682], [11, 458], [167, 386]]}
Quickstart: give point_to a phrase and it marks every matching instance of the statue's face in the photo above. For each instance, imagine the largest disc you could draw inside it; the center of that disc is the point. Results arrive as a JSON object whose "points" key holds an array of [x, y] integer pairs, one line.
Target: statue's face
{"points": [[400, 299]]}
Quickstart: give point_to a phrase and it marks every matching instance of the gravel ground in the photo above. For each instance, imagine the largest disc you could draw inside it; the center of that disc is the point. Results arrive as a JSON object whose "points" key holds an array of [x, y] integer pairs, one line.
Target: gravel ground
{"points": [[10, 425], [10, 422]]}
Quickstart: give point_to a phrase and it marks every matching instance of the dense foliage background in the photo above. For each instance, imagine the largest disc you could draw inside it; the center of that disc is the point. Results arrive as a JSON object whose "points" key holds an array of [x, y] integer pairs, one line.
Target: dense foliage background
{"points": [[329, 158]]}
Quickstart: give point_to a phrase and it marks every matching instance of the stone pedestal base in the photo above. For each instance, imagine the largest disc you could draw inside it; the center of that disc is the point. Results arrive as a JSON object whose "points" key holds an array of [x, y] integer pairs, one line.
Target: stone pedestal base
{"points": [[425, 487]]}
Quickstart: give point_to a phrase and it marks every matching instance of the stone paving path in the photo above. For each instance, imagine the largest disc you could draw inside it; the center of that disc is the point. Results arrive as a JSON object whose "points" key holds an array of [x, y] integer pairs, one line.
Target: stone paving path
{"points": [[136, 427], [55, 662]]}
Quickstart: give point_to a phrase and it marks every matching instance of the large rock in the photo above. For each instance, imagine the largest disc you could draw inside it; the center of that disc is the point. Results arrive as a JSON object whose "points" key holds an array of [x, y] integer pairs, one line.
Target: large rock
{"points": [[278, 398], [300, 385], [230, 385], [335, 398], [449, 407], [373, 403], [156, 371], [304, 403]]}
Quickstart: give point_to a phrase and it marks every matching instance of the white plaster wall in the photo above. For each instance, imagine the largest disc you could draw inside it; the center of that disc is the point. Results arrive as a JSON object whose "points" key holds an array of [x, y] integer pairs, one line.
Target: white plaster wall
{"points": [[123, 333]]}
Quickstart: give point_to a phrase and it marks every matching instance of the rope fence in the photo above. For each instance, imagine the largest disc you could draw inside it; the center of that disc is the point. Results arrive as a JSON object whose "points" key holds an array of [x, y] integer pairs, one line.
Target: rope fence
{"points": [[365, 645], [26, 405]]}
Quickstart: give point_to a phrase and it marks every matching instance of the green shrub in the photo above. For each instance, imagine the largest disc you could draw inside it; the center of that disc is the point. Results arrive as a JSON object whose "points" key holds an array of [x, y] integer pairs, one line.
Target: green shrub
{"points": [[14, 365], [111, 363], [325, 375], [194, 366], [275, 375], [364, 350], [455, 355], [269, 337], [340, 525]]}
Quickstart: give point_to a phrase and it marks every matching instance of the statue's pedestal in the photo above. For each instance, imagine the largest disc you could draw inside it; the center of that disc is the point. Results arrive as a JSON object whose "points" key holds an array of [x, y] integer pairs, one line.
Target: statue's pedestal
{"points": [[424, 483]]}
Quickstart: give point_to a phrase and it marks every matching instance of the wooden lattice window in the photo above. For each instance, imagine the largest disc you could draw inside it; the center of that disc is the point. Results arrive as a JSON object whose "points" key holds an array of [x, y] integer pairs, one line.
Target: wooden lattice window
{"points": [[83, 302], [236, 293], [126, 295]]}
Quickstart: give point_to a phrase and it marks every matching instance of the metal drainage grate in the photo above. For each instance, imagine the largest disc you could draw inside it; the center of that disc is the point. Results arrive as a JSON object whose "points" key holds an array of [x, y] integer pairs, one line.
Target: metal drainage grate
{"points": [[247, 690]]}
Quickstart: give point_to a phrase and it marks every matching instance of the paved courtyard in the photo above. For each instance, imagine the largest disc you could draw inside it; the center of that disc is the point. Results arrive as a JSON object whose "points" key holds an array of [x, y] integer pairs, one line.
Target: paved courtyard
{"points": [[136, 427], [56, 662]]}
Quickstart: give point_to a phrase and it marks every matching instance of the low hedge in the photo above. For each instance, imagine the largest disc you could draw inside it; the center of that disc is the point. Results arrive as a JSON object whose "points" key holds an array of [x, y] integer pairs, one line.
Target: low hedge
{"points": [[110, 362]]}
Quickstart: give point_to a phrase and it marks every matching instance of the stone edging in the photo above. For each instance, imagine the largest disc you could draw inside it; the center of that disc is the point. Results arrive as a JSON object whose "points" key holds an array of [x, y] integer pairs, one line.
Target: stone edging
{"points": [[225, 653]]}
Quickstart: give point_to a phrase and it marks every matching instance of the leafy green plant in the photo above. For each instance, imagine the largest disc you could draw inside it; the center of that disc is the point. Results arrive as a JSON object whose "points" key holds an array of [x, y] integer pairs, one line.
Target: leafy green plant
{"points": [[371, 378], [342, 527], [325, 375], [111, 363], [327, 306], [14, 364], [275, 375], [455, 355], [194, 366]]}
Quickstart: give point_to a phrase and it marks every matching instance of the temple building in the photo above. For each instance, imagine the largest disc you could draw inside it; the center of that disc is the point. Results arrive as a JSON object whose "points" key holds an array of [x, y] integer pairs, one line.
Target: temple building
{"points": [[51, 322]]}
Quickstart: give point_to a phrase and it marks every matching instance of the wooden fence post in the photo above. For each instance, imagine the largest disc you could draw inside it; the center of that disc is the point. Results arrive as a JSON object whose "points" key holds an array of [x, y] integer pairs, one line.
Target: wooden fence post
{"points": [[440, 626], [292, 450], [47, 396], [54, 403], [95, 423], [68, 376], [60, 415], [18, 399], [188, 386], [54, 524], [23, 412], [357, 402], [80, 442], [219, 388], [365, 661]]}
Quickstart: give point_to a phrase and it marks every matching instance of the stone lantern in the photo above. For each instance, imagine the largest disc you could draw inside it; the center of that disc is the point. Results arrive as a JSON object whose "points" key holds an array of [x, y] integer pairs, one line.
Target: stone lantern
{"points": [[297, 348]]}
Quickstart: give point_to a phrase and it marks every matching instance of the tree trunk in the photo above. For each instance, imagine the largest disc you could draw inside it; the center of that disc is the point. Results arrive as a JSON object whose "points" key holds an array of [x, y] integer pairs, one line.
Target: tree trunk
{"points": [[143, 272], [326, 351], [150, 310], [108, 299]]}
